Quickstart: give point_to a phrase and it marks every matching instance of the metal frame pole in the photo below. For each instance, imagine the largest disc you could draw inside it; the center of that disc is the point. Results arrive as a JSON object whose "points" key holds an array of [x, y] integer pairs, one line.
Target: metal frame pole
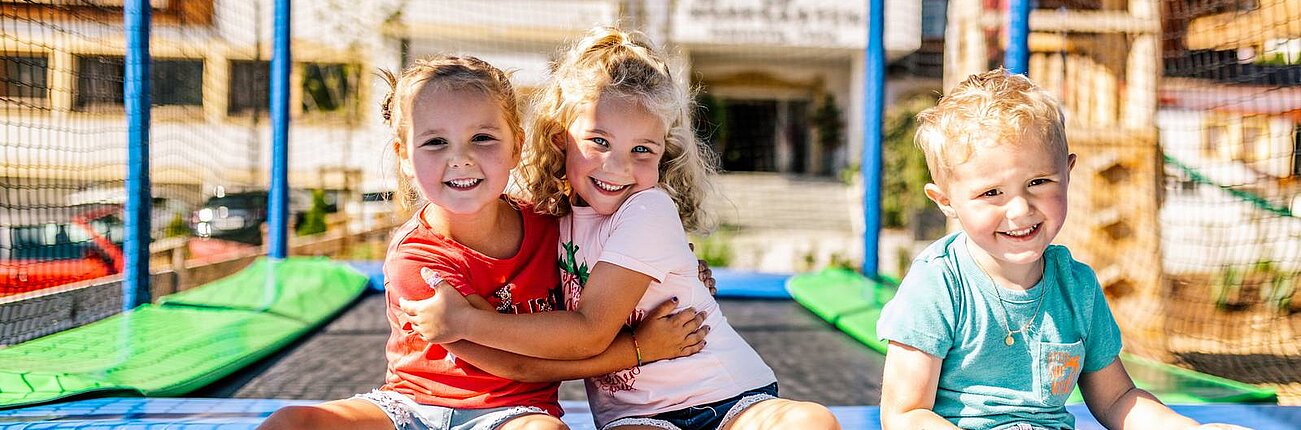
{"points": [[135, 91], [873, 107], [1017, 57], [278, 204]]}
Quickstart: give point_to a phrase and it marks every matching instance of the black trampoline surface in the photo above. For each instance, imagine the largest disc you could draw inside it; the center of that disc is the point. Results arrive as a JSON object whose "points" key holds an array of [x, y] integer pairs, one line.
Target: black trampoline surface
{"points": [[813, 361]]}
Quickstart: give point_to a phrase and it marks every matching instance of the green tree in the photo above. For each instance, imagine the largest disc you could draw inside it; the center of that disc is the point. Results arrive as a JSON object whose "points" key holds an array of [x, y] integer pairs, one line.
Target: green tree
{"points": [[905, 170], [711, 121], [830, 123], [176, 227], [314, 219]]}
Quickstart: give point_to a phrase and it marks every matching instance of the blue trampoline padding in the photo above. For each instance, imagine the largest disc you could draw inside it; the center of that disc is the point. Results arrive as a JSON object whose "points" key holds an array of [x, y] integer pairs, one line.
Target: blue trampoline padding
{"points": [[194, 414], [373, 269], [733, 283]]}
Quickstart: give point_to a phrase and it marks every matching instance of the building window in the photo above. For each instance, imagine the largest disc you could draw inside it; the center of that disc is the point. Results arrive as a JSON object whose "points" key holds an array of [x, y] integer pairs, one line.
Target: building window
{"points": [[177, 82], [99, 82], [1255, 142], [1215, 143], [250, 87], [752, 137], [24, 79], [329, 87], [172, 82]]}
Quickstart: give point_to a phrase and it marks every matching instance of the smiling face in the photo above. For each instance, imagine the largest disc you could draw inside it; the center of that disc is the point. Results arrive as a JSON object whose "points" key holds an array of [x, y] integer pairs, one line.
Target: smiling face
{"points": [[612, 151], [1010, 200], [459, 150]]}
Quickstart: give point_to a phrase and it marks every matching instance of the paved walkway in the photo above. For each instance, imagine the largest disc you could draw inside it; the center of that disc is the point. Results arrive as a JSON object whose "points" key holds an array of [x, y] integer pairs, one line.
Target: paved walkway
{"points": [[812, 360]]}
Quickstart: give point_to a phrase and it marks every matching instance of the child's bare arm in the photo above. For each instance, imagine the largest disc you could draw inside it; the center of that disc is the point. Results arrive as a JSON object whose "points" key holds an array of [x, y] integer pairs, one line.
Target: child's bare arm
{"points": [[660, 336], [1116, 403], [609, 297], [908, 389]]}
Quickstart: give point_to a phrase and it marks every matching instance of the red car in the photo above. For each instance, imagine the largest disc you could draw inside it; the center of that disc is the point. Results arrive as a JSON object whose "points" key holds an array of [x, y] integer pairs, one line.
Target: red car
{"points": [[84, 246]]}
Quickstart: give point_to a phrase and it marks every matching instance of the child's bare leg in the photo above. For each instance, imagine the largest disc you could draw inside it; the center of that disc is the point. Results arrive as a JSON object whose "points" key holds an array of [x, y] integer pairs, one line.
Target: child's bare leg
{"points": [[534, 422], [784, 414], [338, 414]]}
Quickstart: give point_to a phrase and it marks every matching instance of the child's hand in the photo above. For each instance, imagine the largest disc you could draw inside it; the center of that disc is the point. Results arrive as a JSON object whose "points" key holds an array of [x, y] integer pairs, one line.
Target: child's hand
{"points": [[662, 336], [706, 275], [431, 318]]}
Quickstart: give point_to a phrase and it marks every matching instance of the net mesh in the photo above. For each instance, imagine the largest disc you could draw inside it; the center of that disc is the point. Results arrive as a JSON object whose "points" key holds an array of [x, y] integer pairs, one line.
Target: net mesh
{"points": [[1231, 217], [64, 146]]}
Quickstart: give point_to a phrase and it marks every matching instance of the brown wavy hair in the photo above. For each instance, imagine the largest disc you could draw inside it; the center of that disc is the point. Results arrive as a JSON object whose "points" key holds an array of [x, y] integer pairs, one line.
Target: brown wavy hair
{"points": [[614, 63]]}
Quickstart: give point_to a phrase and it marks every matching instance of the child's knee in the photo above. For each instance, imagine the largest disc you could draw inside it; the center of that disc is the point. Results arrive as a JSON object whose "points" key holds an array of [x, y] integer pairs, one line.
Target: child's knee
{"points": [[784, 414], [535, 422], [806, 415], [293, 417]]}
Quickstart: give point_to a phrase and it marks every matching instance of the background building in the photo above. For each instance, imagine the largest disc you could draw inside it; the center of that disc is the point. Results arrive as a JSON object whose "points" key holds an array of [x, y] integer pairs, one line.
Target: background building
{"points": [[780, 91]]}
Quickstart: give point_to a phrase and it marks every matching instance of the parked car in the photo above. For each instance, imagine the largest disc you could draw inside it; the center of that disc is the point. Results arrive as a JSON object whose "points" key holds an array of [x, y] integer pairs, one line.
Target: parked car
{"points": [[63, 249], [239, 216], [165, 209], [232, 216]]}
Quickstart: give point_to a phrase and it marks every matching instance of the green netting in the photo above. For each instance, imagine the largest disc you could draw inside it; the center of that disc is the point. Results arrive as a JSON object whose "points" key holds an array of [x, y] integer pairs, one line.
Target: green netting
{"points": [[1257, 201], [193, 339], [852, 303], [303, 288]]}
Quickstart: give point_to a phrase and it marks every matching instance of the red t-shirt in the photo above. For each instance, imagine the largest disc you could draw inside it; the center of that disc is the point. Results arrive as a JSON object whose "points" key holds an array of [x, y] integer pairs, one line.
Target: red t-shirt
{"points": [[525, 283]]}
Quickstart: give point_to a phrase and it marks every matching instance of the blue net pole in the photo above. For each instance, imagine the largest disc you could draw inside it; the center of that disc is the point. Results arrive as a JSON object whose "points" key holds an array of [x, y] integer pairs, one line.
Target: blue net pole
{"points": [[135, 88], [1017, 57], [277, 221], [873, 106]]}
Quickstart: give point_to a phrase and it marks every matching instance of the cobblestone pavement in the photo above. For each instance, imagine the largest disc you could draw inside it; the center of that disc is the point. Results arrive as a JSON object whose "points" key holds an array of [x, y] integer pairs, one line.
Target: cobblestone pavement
{"points": [[812, 360]]}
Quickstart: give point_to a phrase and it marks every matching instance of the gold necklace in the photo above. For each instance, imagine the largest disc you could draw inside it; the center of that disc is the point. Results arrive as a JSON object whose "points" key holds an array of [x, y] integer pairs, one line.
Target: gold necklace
{"points": [[1007, 317]]}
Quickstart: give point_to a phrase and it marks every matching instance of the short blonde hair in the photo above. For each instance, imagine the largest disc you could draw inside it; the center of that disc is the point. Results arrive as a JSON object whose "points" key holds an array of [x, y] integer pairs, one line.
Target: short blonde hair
{"points": [[990, 108], [444, 71], [613, 63]]}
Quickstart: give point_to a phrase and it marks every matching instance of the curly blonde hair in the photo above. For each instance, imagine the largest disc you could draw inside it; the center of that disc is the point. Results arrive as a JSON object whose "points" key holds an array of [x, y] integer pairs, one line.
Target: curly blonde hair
{"points": [[444, 71], [614, 63], [990, 108]]}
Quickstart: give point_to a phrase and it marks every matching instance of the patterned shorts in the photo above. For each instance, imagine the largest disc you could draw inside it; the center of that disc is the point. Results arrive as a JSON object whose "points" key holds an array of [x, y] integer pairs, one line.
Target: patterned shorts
{"points": [[406, 414]]}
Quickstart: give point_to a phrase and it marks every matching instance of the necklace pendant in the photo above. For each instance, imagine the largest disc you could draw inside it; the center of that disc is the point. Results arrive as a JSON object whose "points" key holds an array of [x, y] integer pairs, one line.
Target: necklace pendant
{"points": [[1008, 340]]}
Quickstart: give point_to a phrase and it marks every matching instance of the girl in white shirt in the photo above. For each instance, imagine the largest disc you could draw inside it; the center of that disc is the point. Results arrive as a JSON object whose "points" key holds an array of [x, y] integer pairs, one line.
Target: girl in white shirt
{"points": [[612, 150]]}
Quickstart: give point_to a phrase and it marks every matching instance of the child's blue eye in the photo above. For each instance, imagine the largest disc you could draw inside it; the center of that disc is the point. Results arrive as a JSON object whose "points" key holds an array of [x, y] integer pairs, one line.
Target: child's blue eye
{"points": [[600, 141], [641, 149]]}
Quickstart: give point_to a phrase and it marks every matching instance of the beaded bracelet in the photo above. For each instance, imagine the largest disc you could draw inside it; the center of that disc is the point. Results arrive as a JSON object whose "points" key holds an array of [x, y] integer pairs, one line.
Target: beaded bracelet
{"points": [[636, 348]]}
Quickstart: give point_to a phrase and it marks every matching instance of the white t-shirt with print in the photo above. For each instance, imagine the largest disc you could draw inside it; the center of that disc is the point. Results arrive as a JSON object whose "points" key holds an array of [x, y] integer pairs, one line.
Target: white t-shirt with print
{"points": [[645, 235]]}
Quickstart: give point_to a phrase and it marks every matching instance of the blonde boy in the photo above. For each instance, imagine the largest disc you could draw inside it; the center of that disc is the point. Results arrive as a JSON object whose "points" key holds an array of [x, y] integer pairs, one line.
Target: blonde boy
{"points": [[994, 326]]}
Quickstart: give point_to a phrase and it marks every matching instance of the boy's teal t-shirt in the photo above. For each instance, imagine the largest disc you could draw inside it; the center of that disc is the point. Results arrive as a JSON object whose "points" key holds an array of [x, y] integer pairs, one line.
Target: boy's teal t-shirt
{"points": [[947, 307]]}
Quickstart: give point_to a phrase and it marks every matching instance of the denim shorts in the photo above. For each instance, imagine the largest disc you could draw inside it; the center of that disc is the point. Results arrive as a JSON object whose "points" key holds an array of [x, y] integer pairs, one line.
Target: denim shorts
{"points": [[709, 416], [406, 414]]}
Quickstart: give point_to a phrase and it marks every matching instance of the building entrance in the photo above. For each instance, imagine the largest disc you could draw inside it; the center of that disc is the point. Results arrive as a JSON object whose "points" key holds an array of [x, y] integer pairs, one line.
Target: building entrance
{"points": [[765, 136]]}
